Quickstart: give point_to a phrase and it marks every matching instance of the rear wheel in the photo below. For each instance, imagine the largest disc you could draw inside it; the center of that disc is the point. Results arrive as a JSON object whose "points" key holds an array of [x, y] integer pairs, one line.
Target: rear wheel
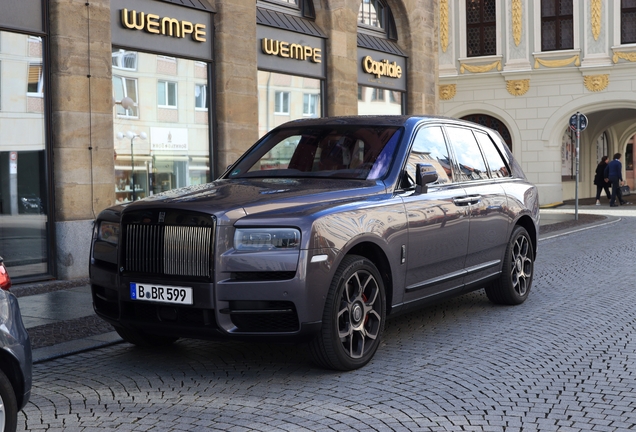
{"points": [[513, 286], [8, 405], [143, 339], [353, 319]]}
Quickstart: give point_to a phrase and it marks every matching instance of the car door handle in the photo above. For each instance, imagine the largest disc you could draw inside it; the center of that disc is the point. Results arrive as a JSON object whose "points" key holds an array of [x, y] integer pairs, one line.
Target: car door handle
{"points": [[467, 200]]}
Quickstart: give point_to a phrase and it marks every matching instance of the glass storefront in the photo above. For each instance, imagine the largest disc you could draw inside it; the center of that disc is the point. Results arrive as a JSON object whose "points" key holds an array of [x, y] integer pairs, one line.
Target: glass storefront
{"points": [[373, 100], [23, 192], [161, 123], [282, 98]]}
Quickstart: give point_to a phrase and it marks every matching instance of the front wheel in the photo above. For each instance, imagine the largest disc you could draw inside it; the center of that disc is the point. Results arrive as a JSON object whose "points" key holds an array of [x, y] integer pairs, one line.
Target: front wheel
{"points": [[353, 318], [8, 405], [513, 285], [143, 339]]}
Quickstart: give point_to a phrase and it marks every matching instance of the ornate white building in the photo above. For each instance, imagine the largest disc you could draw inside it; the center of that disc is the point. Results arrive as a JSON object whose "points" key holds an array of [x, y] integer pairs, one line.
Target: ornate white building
{"points": [[524, 67]]}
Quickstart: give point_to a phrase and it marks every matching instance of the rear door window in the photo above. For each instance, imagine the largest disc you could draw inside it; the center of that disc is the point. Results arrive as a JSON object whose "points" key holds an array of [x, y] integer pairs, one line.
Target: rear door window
{"points": [[496, 164], [469, 158]]}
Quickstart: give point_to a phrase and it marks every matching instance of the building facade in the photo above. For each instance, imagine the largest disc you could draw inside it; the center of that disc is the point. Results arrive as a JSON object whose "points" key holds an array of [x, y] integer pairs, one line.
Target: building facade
{"points": [[525, 67], [110, 101]]}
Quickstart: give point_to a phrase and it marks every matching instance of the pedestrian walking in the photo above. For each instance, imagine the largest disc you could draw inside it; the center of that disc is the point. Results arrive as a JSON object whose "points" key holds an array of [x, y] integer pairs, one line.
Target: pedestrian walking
{"points": [[614, 174], [600, 181]]}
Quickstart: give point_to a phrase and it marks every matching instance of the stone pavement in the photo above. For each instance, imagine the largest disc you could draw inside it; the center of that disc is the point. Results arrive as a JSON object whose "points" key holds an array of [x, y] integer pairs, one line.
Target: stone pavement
{"points": [[60, 318], [564, 361]]}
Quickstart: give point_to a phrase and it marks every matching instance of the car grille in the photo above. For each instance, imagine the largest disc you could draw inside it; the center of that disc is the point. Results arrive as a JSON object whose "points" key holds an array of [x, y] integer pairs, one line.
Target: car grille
{"points": [[168, 250]]}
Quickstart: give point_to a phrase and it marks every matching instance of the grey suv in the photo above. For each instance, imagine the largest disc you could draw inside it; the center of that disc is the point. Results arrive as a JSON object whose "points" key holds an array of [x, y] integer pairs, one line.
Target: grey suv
{"points": [[318, 233]]}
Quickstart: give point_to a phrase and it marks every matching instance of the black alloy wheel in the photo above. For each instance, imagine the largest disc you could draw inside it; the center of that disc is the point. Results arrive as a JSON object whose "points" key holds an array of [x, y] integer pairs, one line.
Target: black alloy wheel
{"points": [[354, 315], [513, 286]]}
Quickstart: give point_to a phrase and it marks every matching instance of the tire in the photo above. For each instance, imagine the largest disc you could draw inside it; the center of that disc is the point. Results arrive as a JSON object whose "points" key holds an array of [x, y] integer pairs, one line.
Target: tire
{"points": [[8, 405], [515, 281], [353, 318], [143, 339]]}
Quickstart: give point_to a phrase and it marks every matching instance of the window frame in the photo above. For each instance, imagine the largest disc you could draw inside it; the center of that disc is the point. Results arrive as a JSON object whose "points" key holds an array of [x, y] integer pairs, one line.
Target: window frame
{"points": [[125, 94], [557, 18], [167, 86], [481, 25], [40, 83], [622, 11], [280, 101], [206, 99], [312, 103]]}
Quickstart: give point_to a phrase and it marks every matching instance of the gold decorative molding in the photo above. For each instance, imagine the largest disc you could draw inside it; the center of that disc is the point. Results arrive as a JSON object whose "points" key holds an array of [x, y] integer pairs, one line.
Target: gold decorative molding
{"points": [[596, 82], [625, 56], [596, 10], [480, 69], [517, 21], [518, 87], [447, 91], [557, 63], [443, 21]]}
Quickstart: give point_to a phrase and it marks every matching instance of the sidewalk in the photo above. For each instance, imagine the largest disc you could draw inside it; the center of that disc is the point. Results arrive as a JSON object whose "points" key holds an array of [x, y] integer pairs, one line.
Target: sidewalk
{"points": [[60, 318]]}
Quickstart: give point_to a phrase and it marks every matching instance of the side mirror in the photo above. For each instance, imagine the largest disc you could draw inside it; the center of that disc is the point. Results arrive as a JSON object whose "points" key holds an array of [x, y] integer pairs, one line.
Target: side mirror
{"points": [[425, 174]]}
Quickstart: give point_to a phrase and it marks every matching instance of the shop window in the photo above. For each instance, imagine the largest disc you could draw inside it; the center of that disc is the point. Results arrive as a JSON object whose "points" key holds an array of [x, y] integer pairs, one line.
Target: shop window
{"points": [[162, 148], [557, 25], [283, 97], [481, 32], [123, 59], [167, 94], [201, 97], [282, 103], [35, 82], [310, 105], [125, 87], [377, 94], [628, 21], [602, 146], [629, 157], [373, 101]]}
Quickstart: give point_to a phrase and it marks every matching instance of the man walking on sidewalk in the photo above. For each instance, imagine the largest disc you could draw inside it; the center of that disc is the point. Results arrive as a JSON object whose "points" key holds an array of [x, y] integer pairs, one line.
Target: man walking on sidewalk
{"points": [[614, 173]]}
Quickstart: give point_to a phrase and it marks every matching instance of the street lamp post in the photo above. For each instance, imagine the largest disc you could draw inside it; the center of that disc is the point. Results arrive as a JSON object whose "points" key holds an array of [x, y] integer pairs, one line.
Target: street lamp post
{"points": [[132, 135]]}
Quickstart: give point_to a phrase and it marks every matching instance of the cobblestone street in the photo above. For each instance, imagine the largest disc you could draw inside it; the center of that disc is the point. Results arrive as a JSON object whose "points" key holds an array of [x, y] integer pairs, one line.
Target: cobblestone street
{"points": [[563, 361]]}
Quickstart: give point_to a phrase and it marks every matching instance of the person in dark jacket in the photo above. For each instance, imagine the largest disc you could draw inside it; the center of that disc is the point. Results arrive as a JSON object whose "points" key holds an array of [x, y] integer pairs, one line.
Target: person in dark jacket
{"points": [[614, 174], [600, 181]]}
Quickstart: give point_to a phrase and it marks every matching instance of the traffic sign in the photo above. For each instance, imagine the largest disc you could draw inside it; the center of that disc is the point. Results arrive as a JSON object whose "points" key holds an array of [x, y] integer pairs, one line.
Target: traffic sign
{"points": [[578, 122]]}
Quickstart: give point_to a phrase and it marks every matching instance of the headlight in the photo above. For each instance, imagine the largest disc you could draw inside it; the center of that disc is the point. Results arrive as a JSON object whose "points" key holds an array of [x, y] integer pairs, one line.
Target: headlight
{"points": [[266, 239], [108, 232]]}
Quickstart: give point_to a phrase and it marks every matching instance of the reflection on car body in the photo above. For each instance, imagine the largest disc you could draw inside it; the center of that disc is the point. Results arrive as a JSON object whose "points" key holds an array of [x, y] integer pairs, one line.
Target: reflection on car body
{"points": [[318, 233]]}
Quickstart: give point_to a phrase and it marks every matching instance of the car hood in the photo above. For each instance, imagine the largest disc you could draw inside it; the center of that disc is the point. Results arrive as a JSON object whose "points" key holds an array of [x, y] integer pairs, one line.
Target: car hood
{"points": [[252, 196]]}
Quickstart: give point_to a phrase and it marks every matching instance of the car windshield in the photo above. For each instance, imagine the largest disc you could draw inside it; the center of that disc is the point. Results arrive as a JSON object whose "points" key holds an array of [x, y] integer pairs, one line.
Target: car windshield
{"points": [[334, 151]]}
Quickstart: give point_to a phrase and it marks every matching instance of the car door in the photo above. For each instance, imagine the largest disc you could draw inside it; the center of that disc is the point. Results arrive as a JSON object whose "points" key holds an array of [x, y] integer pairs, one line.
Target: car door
{"points": [[438, 226], [489, 221]]}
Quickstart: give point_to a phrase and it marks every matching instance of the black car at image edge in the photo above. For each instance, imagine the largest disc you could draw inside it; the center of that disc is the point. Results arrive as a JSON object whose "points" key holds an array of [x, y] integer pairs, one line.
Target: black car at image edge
{"points": [[318, 233], [15, 356]]}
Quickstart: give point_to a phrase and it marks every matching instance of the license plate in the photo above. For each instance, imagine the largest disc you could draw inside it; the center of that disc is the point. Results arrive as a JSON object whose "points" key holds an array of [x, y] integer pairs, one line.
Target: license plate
{"points": [[160, 293]]}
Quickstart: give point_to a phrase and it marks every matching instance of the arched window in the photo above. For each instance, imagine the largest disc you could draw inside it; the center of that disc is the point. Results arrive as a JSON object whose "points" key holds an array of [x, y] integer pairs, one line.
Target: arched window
{"points": [[372, 13], [492, 123], [557, 26], [481, 30]]}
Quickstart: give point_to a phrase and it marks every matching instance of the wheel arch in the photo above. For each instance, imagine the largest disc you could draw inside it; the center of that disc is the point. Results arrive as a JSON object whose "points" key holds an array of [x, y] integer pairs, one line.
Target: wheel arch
{"points": [[526, 222], [378, 257], [9, 365]]}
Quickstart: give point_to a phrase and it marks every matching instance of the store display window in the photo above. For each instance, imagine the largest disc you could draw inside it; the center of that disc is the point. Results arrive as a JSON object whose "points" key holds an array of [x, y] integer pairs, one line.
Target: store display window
{"points": [[23, 193], [161, 124], [283, 97]]}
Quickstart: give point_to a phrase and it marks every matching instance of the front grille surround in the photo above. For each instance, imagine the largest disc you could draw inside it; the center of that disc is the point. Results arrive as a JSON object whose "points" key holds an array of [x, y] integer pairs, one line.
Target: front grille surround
{"points": [[169, 250]]}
